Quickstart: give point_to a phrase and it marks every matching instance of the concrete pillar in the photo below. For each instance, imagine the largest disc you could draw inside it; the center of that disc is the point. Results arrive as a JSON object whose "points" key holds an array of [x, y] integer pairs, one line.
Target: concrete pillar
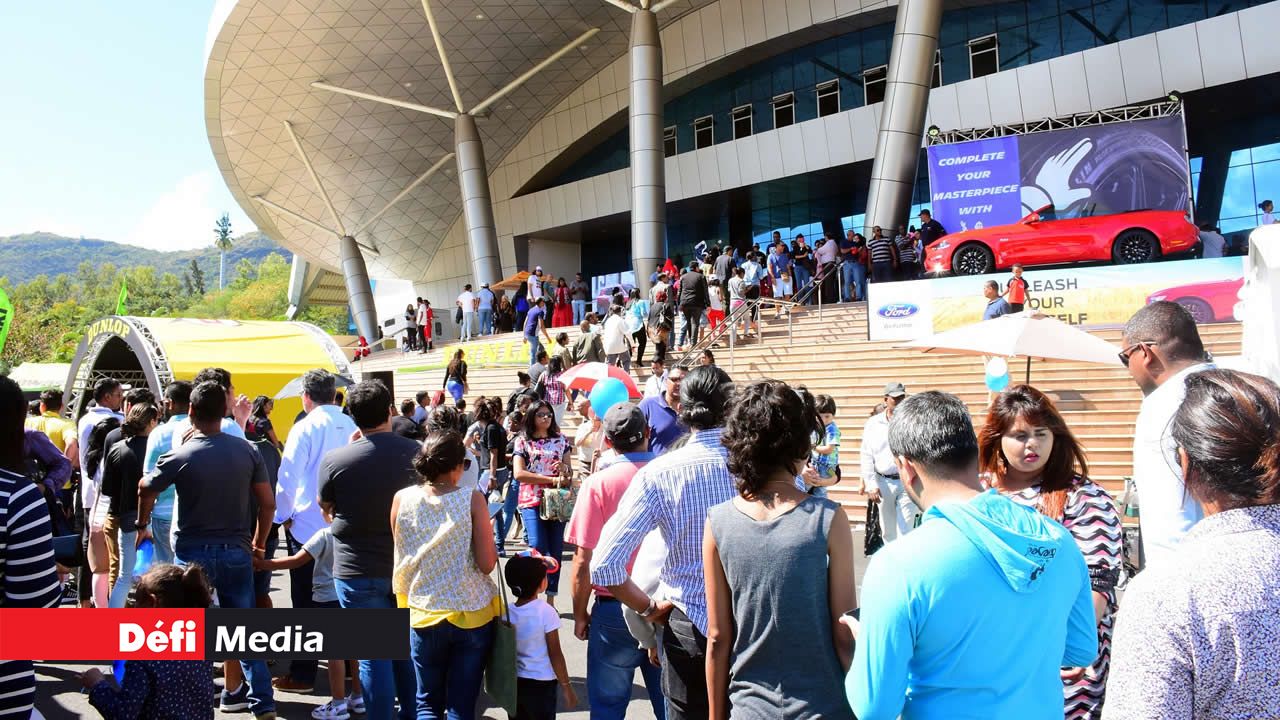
{"points": [[359, 291], [648, 170], [906, 98], [298, 272], [477, 206]]}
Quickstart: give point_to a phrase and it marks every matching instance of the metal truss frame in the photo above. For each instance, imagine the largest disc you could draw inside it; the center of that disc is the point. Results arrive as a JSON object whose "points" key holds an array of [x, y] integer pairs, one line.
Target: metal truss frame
{"points": [[1163, 108]]}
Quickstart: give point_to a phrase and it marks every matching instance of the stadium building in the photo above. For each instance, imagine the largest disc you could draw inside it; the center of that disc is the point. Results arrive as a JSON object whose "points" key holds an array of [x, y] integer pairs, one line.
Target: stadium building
{"points": [[446, 142]]}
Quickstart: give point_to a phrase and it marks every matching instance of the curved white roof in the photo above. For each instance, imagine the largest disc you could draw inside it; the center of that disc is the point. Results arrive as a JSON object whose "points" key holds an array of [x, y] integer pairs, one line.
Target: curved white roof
{"points": [[263, 56]]}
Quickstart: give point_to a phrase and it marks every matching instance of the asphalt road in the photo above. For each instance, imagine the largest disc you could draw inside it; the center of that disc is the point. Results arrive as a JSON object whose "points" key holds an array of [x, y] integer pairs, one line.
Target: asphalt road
{"points": [[59, 696]]}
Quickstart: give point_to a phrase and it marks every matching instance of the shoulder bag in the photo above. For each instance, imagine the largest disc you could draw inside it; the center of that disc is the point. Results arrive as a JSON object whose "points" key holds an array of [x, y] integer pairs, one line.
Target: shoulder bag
{"points": [[500, 670]]}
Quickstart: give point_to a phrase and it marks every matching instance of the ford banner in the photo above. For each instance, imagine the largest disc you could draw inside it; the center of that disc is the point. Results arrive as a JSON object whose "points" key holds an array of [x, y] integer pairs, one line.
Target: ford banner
{"points": [[1095, 170]]}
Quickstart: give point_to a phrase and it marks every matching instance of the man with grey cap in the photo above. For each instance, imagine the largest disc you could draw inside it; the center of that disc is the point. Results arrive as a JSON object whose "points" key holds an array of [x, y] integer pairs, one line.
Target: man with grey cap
{"points": [[485, 301], [880, 473], [612, 654]]}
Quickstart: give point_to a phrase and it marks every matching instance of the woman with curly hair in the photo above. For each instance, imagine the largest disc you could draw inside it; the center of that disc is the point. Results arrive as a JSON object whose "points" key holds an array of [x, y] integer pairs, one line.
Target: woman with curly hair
{"points": [[1030, 455], [775, 645]]}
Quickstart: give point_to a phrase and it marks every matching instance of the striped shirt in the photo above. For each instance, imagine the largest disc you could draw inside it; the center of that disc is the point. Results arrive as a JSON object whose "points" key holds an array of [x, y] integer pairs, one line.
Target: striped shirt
{"points": [[881, 251], [672, 493], [28, 578], [906, 248]]}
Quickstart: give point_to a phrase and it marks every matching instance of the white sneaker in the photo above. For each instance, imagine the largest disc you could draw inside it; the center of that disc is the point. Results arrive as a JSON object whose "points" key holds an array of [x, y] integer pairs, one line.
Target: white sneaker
{"points": [[332, 710], [355, 703]]}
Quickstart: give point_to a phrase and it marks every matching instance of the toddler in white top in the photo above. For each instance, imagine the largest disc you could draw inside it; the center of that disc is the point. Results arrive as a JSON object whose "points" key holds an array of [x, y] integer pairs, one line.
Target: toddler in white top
{"points": [[540, 664]]}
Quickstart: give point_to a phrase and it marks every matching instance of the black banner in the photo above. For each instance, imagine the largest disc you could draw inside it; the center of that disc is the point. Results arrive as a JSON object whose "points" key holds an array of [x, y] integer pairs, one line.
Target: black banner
{"points": [[286, 633]]}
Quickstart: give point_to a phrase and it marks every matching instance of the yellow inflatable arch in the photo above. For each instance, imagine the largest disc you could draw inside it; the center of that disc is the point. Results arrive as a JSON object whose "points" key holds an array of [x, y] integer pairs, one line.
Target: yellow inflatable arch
{"points": [[260, 355]]}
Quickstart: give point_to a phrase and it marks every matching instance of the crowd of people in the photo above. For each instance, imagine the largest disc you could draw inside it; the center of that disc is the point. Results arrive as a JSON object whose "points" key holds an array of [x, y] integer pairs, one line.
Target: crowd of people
{"points": [[705, 553]]}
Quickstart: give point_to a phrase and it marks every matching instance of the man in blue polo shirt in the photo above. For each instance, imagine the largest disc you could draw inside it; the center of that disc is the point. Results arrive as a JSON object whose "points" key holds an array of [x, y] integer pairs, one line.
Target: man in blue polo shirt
{"points": [[661, 414]]}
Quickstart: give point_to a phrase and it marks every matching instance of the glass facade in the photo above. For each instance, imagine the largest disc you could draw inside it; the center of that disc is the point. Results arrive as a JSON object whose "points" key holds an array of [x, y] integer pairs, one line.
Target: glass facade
{"points": [[1027, 32], [1253, 175]]}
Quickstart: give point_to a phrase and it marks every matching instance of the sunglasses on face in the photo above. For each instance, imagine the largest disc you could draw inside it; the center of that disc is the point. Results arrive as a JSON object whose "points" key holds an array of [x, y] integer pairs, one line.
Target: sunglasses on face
{"points": [[1125, 354], [543, 415]]}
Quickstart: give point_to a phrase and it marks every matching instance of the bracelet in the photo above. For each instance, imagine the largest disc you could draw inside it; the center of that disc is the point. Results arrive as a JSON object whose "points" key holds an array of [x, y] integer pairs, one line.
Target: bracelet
{"points": [[259, 549], [653, 607]]}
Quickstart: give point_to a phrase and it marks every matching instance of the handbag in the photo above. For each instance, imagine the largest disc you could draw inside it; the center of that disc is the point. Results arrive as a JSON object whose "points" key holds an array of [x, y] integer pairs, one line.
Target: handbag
{"points": [[557, 504], [457, 315], [500, 670], [874, 535]]}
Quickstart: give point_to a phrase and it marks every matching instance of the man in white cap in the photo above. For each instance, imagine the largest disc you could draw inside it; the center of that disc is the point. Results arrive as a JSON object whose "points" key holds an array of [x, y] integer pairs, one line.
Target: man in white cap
{"points": [[880, 480], [484, 306]]}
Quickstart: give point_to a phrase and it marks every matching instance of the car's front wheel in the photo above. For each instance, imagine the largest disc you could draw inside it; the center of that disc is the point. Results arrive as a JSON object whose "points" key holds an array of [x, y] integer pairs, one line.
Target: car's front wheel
{"points": [[972, 259], [1199, 309], [1135, 246]]}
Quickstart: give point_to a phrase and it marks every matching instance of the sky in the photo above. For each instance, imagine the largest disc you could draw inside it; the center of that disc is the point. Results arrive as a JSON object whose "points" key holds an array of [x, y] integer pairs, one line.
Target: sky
{"points": [[102, 131]]}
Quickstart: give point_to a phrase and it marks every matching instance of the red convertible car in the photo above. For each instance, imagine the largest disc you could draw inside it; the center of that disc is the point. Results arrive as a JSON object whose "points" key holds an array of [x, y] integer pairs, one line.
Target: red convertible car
{"points": [[1040, 239], [1207, 302]]}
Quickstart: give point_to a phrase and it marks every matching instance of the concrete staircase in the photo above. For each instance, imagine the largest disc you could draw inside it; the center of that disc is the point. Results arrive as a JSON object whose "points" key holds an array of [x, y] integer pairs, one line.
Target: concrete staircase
{"points": [[829, 353]]}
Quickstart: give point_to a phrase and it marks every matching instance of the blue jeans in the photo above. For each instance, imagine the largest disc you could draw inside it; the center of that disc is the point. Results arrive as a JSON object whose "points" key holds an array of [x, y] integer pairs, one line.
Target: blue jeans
{"points": [[455, 389], [535, 347], [506, 514], [547, 536], [881, 272], [384, 680], [612, 659], [124, 579], [449, 664], [230, 571], [579, 311], [160, 537], [801, 277], [468, 325], [854, 275], [486, 321]]}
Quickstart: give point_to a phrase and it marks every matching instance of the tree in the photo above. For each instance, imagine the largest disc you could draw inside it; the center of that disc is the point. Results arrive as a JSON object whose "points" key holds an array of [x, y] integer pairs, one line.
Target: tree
{"points": [[222, 241], [197, 277]]}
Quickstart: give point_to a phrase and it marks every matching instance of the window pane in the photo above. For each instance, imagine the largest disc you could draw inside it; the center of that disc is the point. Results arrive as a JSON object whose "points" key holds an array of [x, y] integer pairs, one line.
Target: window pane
{"points": [[828, 99], [1147, 16], [1077, 31], [1046, 39], [873, 82], [1266, 182], [1263, 153], [1237, 194], [983, 57]]}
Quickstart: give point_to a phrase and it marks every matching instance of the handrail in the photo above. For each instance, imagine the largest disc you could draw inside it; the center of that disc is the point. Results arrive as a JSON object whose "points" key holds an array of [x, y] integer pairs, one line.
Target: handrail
{"points": [[744, 312]]}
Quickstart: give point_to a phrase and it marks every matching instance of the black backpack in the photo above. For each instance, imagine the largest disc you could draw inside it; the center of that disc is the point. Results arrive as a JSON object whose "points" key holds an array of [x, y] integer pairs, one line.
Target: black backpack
{"points": [[97, 449]]}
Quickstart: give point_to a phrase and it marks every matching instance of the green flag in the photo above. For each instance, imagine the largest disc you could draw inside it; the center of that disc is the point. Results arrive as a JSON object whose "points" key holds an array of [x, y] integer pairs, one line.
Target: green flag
{"points": [[6, 318], [124, 296]]}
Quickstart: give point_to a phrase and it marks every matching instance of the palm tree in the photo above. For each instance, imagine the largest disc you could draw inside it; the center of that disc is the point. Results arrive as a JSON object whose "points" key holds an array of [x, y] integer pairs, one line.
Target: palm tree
{"points": [[222, 235]]}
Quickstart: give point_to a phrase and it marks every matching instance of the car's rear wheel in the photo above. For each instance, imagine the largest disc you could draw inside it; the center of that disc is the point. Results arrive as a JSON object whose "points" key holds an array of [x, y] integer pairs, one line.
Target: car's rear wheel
{"points": [[972, 259], [1199, 309], [1135, 246]]}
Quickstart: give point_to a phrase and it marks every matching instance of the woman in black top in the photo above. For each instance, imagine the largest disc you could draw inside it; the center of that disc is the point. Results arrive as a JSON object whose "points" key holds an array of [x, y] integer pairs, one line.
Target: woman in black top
{"points": [[121, 471], [455, 376], [258, 427], [505, 318]]}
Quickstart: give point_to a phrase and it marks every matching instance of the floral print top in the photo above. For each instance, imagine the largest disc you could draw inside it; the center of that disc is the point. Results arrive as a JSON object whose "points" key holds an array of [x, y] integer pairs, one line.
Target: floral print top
{"points": [[542, 456], [1198, 635]]}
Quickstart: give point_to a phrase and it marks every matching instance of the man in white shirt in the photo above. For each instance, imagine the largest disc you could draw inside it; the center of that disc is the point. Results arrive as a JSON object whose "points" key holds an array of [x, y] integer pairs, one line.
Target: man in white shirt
{"points": [[657, 382], [467, 301], [484, 306], [898, 508], [617, 341], [1212, 243], [661, 286], [324, 428], [535, 285], [424, 323], [1161, 348]]}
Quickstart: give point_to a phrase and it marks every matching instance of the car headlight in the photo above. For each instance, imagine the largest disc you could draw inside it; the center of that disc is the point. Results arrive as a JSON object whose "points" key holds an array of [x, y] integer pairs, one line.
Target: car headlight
{"points": [[942, 245]]}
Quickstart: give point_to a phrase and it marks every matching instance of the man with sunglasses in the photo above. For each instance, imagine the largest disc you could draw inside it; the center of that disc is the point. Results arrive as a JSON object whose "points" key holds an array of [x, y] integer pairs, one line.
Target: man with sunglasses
{"points": [[1161, 348]]}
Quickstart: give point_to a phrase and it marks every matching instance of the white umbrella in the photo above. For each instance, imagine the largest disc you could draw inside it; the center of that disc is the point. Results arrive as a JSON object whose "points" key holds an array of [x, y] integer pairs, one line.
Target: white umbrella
{"points": [[1029, 335], [293, 388]]}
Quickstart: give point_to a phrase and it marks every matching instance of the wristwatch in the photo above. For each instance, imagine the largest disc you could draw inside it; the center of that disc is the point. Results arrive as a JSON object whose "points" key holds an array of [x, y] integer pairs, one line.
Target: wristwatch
{"points": [[653, 607]]}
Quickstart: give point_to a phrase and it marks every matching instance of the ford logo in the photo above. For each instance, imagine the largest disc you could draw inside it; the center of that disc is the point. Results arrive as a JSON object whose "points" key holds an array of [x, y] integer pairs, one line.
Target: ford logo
{"points": [[897, 310]]}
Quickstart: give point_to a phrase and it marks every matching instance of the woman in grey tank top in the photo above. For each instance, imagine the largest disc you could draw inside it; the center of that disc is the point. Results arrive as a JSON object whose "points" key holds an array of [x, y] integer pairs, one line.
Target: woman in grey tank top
{"points": [[779, 573]]}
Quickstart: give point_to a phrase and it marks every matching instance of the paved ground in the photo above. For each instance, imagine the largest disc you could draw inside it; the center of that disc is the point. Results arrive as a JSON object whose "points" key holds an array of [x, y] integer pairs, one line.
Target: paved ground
{"points": [[59, 695]]}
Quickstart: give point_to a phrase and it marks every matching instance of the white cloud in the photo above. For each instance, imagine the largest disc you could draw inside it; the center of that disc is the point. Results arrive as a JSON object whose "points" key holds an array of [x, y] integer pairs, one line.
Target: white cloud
{"points": [[183, 218]]}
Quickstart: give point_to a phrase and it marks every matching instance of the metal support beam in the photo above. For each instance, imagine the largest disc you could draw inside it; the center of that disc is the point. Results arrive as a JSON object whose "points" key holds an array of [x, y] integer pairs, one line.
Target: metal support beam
{"points": [[421, 179], [303, 219], [623, 5], [359, 290], [648, 164], [444, 59], [300, 218], [385, 100], [532, 71], [477, 206], [302, 153], [663, 5], [893, 172]]}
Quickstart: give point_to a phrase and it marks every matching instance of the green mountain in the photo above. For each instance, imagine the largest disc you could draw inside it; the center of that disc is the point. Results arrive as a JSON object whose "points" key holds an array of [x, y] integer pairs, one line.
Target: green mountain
{"points": [[23, 257]]}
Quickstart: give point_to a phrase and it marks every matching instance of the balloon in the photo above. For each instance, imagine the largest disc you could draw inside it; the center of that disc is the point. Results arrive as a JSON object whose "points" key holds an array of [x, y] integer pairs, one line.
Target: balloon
{"points": [[606, 394], [145, 556], [997, 366], [997, 383]]}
